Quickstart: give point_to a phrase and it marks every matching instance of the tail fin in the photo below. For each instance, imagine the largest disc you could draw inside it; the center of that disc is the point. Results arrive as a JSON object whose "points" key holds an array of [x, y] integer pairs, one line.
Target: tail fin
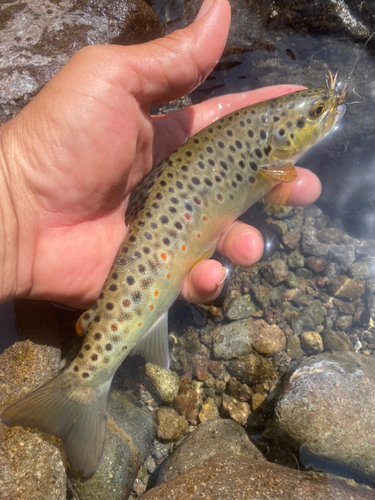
{"points": [[76, 415]]}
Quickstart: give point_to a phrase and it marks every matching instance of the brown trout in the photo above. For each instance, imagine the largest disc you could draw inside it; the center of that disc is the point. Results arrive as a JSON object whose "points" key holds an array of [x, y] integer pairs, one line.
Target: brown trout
{"points": [[177, 214]]}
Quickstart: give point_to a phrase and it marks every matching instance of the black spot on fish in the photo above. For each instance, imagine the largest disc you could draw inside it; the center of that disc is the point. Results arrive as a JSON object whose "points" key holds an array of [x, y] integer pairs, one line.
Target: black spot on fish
{"points": [[163, 183], [195, 181], [209, 149], [101, 296], [85, 375], [188, 207], [229, 133], [86, 316], [242, 123], [179, 184], [97, 319], [108, 347], [250, 133], [185, 168], [276, 118], [114, 276], [172, 210], [301, 122], [109, 306], [211, 162], [155, 205], [234, 184], [94, 357], [164, 219], [130, 280], [188, 153], [141, 268], [174, 200], [178, 225], [153, 225], [136, 296], [137, 254], [241, 163], [166, 241], [201, 165], [248, 121], [224, 164], [291, 106], [132, 239], [124, 249], [238, 144], [221, 145], [113, 287], [76, 369], [258, 152], [218, 178], [239, 177], [251, 179], [267, 150], [208, 181], [262, 135]]}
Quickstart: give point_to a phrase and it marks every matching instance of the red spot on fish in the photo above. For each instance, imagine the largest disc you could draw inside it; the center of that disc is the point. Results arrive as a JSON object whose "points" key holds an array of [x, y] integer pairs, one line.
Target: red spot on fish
{"points": [[168, 276], [156, 293], [198, 235], [187, 216], [163, 255], [126, 303], [183, 248], [139, 324], [205, 218], [151, 307], [114, 327]]}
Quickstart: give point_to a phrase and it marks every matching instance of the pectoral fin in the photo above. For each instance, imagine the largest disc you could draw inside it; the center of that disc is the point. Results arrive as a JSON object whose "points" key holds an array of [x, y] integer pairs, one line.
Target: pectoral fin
{"points": [[284, 173]]}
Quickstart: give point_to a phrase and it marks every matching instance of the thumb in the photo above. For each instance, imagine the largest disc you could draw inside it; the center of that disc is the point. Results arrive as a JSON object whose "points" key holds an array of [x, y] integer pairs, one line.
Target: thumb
{"points": [[169, 67]]}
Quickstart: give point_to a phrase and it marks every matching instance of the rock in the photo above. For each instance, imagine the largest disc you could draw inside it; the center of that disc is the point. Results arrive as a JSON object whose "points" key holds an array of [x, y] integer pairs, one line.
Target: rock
{"points": [[35, 456], [344, 255], [294, 349], [317, 311], [310, 245], [312, 342], [261, 295], [131, 431], [304, 322], [335, 394], [208, 439], [234, 340], [359, 271], [240, 307], [335, 341], [267, 339], [344, 322], [295, 259], [189, 400], [38, 38], [275, 272], [242, 392], [330, 235], [172, 426], [164, 382], [224, 477], [291, 281], [239, 411], [257, 400], [208, 411], [304, 273], [317, 264], [25, 366], [346, 288], [251, 368], [291, 239], [332, 270]]}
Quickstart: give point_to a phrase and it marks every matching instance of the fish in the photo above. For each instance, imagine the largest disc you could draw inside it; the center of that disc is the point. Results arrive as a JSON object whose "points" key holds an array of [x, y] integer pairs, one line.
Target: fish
{"points": [[176, 216]]}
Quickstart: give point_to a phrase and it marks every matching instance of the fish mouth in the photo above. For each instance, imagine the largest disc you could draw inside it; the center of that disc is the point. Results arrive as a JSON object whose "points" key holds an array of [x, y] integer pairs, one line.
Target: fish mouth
{"points": [[340, 112]]}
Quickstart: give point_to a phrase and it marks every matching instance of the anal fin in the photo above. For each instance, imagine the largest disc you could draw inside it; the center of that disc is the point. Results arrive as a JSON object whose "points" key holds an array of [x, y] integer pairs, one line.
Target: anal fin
{"points": [[154, 345]]}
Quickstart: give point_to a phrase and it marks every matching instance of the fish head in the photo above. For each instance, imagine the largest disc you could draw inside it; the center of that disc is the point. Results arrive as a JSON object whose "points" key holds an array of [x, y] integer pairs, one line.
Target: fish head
{"points": [[305, 118]]}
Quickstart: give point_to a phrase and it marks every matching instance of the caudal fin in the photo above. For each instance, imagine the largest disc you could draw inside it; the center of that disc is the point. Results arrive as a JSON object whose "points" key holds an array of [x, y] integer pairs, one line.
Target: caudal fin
{"points": [[76, 416]]}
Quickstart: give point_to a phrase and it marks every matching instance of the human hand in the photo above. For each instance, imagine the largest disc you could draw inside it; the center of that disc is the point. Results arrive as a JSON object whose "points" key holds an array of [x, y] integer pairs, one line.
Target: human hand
{"points": [[73, 155]]}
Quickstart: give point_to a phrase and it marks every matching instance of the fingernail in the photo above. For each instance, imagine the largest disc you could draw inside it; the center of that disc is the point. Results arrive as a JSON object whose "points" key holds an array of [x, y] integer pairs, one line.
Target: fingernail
{"points": [[225, 271], [207, 4]]}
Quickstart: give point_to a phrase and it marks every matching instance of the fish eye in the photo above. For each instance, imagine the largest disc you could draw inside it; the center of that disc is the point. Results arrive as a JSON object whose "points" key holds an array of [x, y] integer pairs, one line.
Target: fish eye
{"points": [[317, 109]]}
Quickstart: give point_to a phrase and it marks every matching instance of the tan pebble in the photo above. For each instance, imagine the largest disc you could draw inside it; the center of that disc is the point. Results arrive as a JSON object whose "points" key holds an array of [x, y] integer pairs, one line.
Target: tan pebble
{"points": [[257, 400], [312, 342]]}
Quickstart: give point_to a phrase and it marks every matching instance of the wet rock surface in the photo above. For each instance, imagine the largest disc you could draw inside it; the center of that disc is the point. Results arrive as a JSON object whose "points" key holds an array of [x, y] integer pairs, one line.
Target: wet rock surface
{"points": [[38, 37], [242, 478], [208, 439], [328, 409]]}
